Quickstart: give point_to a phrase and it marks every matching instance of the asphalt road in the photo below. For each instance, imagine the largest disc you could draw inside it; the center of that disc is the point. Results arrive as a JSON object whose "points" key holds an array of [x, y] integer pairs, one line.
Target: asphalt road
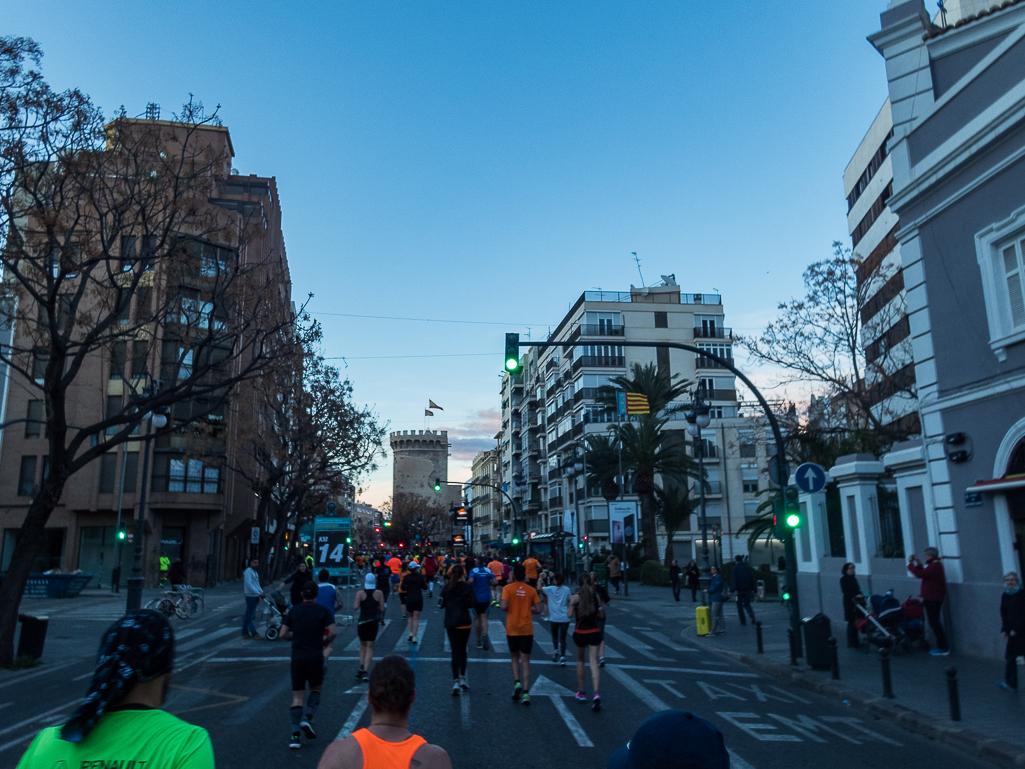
{"points": [[239, 691]]}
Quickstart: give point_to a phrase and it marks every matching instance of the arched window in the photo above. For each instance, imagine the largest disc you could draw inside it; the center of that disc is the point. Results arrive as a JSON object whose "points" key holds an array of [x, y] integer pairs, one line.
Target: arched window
{"points": [[1016, 464]]}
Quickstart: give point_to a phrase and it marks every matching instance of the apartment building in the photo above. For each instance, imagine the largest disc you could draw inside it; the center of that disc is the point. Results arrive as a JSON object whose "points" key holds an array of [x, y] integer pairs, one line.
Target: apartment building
{"points": [[196, 509], [483, 493], [365, 518], [549, 407]]}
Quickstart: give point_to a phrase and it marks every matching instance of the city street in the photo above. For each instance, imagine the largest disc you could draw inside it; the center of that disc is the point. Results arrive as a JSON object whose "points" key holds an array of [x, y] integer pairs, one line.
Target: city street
{"points": [[239, 691]]}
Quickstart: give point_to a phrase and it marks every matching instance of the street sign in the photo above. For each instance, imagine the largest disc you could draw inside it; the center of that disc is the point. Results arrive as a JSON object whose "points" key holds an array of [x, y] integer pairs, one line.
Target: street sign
{"points": [[330, 549], [254, 536], [331, 508], [810, 478], [973, 499], [774, 470]]}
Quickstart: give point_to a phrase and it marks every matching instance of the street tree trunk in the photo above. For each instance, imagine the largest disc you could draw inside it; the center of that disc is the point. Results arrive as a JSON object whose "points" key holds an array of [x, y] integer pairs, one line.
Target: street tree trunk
{"points": [[649, 527]]}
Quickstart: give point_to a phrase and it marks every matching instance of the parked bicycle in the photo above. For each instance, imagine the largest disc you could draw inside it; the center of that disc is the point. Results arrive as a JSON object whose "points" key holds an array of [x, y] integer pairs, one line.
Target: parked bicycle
{"points": [[183, 602]]}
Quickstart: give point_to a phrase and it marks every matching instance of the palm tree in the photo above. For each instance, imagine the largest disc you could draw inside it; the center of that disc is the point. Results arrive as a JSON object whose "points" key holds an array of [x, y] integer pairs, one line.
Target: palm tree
{"points": [[602, 464], [673, 508]]}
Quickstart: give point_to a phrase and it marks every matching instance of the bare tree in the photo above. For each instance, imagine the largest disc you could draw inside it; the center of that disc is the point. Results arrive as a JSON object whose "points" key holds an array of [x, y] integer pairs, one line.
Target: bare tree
{"points": [[417, 518], [116, 258]]}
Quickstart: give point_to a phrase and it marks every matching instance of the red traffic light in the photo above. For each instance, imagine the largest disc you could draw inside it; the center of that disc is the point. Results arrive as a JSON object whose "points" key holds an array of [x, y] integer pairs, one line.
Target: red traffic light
{"points": [[401, 545], [377, 529]]}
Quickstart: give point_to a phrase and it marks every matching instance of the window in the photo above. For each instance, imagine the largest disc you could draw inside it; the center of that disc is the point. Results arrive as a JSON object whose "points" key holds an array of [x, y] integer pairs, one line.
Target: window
{"points": [[131, 470], [108, 468], [112, 410], [1000, 251], [747, 444], [127, 252], [117, 360], [142, 304], [661, 320], [27, 477], [190, 476], [34, 415], [749, 475], [751, 508], [139, 352], [39, 362]]}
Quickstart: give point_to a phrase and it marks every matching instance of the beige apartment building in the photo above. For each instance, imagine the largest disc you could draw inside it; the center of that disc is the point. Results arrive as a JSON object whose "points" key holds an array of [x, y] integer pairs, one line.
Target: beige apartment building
{"points": [[197, 509]]}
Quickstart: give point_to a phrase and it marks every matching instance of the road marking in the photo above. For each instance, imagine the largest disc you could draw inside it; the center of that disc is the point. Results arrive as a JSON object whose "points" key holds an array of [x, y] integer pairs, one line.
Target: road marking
{"points": [[736, 762], [505, 661], [229, 699], [8, 704], [17, 678], [362, 688], [37, 719], [353, 645], [464, 707], [808, 727], [212, 636], [632, 643], [83, 676], [403, 644], [186, 633], [666, 686], [636, 688], [353, 719], [856, 724], [544, 687], [715, 693], [756, 729], [662, 638]]}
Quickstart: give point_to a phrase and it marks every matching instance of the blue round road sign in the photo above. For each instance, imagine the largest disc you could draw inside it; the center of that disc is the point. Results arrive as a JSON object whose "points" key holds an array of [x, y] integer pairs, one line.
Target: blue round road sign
{"points": [[811, 478]]}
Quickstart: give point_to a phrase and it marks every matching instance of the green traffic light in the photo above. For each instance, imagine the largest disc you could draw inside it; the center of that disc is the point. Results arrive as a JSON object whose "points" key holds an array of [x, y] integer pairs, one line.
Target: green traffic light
{"points": [[786, 595], [512, 352], [437, 485], [387, 523], [512, 364], [348, 540], [516, 541], [793, 520], [120, 535]]}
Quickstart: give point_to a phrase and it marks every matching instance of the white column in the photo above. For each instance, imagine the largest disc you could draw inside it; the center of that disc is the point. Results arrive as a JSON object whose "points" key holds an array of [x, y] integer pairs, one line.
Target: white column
{"points": [[812, 537], [857, 476]]}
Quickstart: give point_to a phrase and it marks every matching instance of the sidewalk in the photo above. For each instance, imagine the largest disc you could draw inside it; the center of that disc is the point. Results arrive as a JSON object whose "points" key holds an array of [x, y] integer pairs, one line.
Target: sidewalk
{"points": [[990, 715]]}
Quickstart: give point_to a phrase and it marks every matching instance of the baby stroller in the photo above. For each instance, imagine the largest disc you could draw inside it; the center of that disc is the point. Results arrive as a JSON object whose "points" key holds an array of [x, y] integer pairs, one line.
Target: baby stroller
{"points": [[274, 610], [892, 624]]}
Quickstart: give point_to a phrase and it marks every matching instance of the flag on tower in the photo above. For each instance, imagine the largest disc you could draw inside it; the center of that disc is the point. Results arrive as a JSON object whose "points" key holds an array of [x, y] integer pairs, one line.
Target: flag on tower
{"points": [[637, 404], [428, 413], [434, 405]]}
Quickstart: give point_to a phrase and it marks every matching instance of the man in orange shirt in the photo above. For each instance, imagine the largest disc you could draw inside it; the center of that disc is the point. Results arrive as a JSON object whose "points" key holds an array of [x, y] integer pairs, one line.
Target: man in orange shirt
{"points": [[496, 587], [531, 565], [519, 602]]}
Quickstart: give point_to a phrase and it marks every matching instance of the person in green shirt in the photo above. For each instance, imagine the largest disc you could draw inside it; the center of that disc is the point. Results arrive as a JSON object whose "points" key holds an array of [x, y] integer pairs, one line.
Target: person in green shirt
{"points": [[120, 721]]}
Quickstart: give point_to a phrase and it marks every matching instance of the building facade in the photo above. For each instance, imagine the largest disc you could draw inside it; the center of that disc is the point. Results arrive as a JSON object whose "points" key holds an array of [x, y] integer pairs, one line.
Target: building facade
{"points": [[550, 406], [484, 495]]}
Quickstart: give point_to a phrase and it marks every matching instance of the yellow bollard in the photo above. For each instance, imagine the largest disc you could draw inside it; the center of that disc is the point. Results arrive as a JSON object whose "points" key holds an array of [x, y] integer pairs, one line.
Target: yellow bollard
{"points": [[703, 615]]}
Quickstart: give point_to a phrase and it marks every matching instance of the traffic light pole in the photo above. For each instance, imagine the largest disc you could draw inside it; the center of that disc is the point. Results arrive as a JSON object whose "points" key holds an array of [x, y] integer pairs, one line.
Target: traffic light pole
{"points": [[777, 434], [499, 489]]}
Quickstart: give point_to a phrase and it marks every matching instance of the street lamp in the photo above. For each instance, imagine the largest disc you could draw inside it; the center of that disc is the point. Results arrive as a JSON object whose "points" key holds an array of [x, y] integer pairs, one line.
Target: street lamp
{"points": [[580, 468], [697, 420], [136, 580]]}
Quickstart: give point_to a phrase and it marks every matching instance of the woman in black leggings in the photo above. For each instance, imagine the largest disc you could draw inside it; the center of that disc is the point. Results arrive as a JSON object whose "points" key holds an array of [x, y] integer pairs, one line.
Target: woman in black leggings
{"points": [[456, 599]]}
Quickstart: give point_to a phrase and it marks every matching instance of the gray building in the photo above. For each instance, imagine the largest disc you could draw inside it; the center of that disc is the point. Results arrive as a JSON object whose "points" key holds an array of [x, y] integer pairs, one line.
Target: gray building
{"points": [[957, 95]]}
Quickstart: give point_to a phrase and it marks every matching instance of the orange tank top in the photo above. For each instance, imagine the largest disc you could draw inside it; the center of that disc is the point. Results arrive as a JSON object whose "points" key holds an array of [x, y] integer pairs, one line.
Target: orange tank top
{"points": [[381, 754]]}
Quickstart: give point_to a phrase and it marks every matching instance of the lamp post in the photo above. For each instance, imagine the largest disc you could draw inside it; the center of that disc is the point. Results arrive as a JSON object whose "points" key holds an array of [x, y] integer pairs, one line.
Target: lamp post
{"points": [[698, 419], [136, 580], [580, 468]]}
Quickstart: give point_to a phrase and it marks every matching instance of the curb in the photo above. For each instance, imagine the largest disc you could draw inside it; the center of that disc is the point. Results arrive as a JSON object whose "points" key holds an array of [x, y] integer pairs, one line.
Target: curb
{"points": [[998, 751]]}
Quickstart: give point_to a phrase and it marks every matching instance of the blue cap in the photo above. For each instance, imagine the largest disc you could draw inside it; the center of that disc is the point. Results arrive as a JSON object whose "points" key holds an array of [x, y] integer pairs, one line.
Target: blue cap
{"points": [[673, 739]]}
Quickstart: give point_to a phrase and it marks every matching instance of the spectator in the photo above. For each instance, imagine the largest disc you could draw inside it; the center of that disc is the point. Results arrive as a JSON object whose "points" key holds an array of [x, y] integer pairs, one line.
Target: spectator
{"points": [[673, 738], [716, 596], [176, 574], [1012, 626], [693, 580], [295, 583], [165, 564], [122, 712], [615, 571], [742, 585], [933, 591], [674, 579], [253, 592], [851, 598], [387, 742]]}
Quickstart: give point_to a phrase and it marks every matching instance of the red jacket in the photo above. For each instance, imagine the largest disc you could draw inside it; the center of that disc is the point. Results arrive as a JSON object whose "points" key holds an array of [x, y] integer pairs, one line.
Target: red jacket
{"points": [[934, 582]]}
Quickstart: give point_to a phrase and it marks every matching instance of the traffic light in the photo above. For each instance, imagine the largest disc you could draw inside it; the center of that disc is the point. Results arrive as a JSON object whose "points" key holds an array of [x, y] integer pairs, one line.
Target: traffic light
{"points": [[515, 541], [792, 513], [348, 540], [437, 484], [121, 534], [512, 353], [786, 595], [377, 530], [387, 523]]}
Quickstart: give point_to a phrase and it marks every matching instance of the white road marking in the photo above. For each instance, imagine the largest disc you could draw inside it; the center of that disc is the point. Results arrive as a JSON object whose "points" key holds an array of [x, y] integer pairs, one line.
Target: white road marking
{"points": [[18, 678], [757, 730], [636, 688], [8, 704], [186, 633], [809, 726], [353, 645], [715, 693], [736, 762], [83, 676], [632, 643], [353, 719], [544, 687], [212, 636], [662, 638], [666, 685], [464, 707], [403, 644], [855, 723], [359, 688]]}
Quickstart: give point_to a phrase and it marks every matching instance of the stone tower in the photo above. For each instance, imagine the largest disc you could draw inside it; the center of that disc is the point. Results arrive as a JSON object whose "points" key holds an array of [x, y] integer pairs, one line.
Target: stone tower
{"points": [[418, 458]]}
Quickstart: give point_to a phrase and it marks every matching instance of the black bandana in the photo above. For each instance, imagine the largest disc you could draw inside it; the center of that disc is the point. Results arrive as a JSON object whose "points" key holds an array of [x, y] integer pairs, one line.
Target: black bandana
{"points": [[137, 648]]}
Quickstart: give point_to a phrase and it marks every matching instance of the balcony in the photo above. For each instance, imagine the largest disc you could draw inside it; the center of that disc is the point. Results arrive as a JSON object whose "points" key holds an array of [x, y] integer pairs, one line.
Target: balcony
{"points": [[597, 526], [578, 430], [602, 361], [702, 362], [552, 446], [555, 503], [553, 363], [601, 330], [712, 332], [718, 395]]}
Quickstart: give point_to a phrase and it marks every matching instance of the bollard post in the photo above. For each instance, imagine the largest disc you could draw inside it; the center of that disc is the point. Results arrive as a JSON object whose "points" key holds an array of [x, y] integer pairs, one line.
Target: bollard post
{"points": [[884, 660], [955, 698], [793, 649], [834, 659], [758, 635]]}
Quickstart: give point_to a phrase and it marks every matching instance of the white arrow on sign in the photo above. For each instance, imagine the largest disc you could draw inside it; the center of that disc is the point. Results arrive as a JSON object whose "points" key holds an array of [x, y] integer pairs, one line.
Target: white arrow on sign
{"points": [[810, 478], [544, 687]]}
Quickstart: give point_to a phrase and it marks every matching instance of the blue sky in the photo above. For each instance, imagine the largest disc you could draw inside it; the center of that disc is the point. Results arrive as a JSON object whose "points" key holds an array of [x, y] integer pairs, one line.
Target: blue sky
{"points": [[488, 162]]}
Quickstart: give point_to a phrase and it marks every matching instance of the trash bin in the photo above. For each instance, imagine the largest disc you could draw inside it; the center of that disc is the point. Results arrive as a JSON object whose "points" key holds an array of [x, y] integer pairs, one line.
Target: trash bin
{"points": [[817, 631], [703, 618], [33, 635]]}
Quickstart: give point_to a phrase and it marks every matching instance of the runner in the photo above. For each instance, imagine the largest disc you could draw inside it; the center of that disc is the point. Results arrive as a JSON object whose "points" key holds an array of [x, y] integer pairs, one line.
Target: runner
{"points": [[519, 601], [306, 624], [532, 565], [387, 742], [456, 600], [370, 602], [586, 607], [430, 568], [122, 712], [604, 600], [328, 597], [401, 590], [496, 587], [482, 580], [557, 598], [383, 575], [413, 586]]}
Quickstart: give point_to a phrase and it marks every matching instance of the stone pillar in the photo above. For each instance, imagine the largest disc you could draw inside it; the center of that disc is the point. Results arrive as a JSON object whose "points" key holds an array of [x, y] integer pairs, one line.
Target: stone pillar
{"points": [[813, 535], [857, 476]]}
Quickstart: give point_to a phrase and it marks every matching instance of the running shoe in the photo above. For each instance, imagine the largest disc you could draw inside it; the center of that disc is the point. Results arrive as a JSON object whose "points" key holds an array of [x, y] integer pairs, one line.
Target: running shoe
{"points": [[940, 652], [1005, 685], [580, 697], [555, 657], [517, 691], [412, 639], [455, 687], [487, 643], [463, 684], [307, 728], [596, 702], [360, 673], [562, 660], [480, 644], [526, 698], [295, 744], [601, 662]]}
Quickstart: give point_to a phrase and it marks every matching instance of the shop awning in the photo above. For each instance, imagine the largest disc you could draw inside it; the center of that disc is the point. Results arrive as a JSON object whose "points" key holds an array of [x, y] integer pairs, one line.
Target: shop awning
{"points": [[1007, 483]]}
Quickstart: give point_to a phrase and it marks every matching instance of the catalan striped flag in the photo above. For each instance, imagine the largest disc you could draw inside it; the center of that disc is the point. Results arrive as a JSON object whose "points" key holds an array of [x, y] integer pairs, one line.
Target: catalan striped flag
{"points": [[637, 404]]}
